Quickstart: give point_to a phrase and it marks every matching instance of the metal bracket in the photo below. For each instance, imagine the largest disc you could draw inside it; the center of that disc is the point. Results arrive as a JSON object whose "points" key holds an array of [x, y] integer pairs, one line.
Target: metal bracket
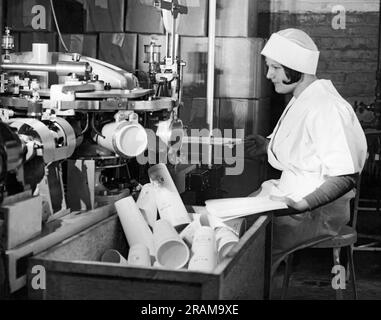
{"points": [[173, 6]]}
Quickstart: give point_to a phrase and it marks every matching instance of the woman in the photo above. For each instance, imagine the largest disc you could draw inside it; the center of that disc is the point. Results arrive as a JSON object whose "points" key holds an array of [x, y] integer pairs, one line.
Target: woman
{"points": [[318, 145]]}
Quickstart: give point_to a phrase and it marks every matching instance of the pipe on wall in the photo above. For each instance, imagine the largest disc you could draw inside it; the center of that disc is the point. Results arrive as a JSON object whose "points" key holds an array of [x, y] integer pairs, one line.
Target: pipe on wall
{"points": [[1, 19], [378, 76], [211, 62]]}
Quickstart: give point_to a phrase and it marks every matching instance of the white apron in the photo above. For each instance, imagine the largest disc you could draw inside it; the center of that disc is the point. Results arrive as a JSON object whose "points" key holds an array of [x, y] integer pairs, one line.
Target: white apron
{"points": [[317, 136]]}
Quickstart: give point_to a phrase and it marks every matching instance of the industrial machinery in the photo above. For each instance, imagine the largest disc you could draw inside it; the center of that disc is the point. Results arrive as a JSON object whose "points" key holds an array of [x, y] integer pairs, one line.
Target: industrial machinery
{"points": [[77, 133]]}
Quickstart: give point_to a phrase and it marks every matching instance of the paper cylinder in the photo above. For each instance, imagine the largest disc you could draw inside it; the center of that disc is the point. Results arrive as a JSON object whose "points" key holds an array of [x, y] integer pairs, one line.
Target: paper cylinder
{"points": [[226, 239], [134, 226], [124, 138], [204, 256], [113, 256], [168, 200], [147, 204], [139, 256], [239, 225], [41, 55], [188, 233], [171, 250], [204, 237]]}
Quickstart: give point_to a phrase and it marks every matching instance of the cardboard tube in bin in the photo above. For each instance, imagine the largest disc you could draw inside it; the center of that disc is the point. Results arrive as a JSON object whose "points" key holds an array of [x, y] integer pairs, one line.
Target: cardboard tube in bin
{"points": [[204, 250], [171, 250], [113, 256], [139, 256], [134, 225], [168, 200], [147, 204], [226, 239], [188, 233]]}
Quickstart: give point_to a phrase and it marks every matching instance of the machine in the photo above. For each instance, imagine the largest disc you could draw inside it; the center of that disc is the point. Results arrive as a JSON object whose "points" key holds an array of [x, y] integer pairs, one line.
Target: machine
{"points": [[77, 133]]}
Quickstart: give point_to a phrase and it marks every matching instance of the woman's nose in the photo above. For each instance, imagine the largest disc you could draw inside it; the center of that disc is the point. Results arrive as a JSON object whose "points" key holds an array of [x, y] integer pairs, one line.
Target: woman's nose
{"points": [[269, 74]]}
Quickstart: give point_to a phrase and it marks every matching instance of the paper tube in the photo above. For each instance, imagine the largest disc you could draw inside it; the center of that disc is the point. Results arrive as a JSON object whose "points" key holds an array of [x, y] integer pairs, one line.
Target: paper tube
{"points": [[226, 239], [239, 225], [147, 204], [139, 256], [171, 250], [168, 200], [124, 138], [113, 256], [216, 223], [188, 233], [204, 250], [134, 226], [40, 53]]}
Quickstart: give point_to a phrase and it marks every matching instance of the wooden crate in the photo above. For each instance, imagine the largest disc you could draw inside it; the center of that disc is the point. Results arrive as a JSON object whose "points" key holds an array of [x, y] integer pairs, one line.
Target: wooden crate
{"points": [[73, 270]]}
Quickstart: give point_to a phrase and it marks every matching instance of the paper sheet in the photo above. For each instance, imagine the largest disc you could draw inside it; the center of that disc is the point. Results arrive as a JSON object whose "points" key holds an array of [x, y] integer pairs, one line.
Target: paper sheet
{"points": [[231, 208]]}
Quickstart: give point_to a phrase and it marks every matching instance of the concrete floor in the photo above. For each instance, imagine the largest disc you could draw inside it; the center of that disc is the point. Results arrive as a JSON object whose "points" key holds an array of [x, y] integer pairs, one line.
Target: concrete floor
{"points": [[311, 279]]}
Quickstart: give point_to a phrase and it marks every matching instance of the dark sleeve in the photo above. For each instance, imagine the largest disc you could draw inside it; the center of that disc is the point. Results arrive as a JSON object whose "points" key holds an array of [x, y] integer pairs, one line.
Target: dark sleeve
{"points": [[332, 189]]}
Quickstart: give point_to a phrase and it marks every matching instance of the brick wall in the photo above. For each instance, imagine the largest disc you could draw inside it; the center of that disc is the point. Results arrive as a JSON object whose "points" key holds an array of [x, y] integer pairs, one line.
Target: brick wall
{"points": [[348, 56]]}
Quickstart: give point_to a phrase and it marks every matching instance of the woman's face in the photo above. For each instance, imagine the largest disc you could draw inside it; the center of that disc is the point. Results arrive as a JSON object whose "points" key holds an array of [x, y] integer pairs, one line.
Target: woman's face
{"points": [[278, 77]]}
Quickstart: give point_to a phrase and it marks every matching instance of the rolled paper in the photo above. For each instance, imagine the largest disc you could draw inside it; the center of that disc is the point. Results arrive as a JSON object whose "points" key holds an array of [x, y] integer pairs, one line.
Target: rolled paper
{"points": [[188, 233], [217, 223], [226, 239], [134, 225], [204, 220], [239, 225], [113, 256], [204, 256], [41, 55], [168, 200], [139, 256], [147, 204], [171, 250], [204, 237]]}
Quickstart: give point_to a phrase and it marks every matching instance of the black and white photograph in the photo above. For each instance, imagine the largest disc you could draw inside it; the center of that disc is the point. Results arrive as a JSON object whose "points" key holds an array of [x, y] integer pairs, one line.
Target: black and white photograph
{"points": [[189, 156]]}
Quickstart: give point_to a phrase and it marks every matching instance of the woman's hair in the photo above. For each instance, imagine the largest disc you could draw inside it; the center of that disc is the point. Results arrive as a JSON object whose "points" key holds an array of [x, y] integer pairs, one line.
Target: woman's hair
{"points": [[293, 75]]}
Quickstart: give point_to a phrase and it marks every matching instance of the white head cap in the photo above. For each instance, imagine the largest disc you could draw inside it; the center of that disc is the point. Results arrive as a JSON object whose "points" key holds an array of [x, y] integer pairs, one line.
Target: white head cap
{"points": [[294, 49]]}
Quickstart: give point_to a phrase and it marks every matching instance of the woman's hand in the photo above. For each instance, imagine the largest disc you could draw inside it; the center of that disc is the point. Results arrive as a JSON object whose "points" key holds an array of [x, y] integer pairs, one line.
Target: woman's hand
{"points": [[255, 146], [301, 205]]}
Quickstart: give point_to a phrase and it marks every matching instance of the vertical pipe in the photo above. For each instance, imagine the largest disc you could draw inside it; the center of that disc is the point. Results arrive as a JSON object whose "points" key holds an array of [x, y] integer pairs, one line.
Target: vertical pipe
{"points": [[1, 23], [167, 44], [379, 38], [211, 60], [173, 56], [378, 76]]}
